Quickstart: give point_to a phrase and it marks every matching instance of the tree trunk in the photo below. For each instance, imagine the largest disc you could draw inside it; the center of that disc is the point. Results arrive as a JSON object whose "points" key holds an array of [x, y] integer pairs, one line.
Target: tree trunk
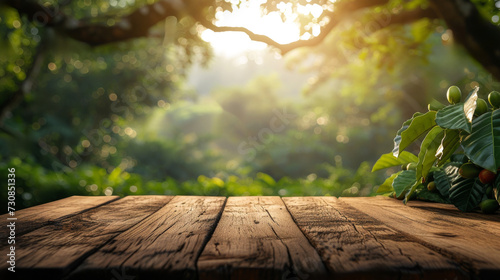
{"points": [[480, 37]]}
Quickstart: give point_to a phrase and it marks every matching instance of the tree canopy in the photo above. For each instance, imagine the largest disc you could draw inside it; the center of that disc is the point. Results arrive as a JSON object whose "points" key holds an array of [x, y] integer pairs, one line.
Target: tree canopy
{"points": [[473, 23], [94, 92]]}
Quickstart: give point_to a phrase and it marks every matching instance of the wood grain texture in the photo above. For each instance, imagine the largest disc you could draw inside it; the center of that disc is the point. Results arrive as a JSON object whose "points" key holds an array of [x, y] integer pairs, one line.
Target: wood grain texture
{"points": [[256, 238], [35, 217], [475, 219], [354, 245], [193, 237], [166, 243], [53, 250], [468, 238]]}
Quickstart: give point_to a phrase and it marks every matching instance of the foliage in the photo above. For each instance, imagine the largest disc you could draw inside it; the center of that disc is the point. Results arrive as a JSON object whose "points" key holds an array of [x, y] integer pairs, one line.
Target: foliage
{"points": [[85, 98], [190, 146], [119, 118], [456, 139], [36, 184]]}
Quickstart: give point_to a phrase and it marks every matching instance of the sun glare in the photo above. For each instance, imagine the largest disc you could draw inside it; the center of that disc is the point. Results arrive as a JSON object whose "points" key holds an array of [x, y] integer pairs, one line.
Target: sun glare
{"points": [[232, 44]]}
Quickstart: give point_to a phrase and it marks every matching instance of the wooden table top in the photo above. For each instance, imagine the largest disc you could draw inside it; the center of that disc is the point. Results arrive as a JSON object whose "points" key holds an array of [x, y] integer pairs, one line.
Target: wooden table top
{"points": [[201, 237]]}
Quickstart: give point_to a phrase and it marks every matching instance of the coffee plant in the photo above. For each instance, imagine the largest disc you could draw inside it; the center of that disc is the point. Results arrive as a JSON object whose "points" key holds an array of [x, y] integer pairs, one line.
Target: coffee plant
{"points": [[459, 155]]}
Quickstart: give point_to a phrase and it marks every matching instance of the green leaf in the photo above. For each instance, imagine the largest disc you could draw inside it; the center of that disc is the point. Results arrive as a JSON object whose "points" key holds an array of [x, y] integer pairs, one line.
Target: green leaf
{"points": [[397, 139], [266, 178], [449, 145], [387, 184], [421, 30], [410, 192], [458, 116], [430, 196], [466, 194], [444, 179], [389, 160], [453, 117], [404, 181], [482, 146], [459, 158], [435, 105], [427, 155], [418, 127]]}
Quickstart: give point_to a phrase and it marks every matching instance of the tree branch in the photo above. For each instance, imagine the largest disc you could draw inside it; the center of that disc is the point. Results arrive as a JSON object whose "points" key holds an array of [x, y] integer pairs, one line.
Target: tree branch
{"points": [[344, 10], [138, 23], [393, 19], [134, 25], [480, 37]]}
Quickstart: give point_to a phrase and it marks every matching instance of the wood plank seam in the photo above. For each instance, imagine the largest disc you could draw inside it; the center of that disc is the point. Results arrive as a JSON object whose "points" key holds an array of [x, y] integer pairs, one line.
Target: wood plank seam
{"points": [[166, 243], [256, 238], [209, 236], [303, 233], [291, 266], [80, 260], [480, 258], [346, 218], [350, 252], [353, 238], [55, 250], [462, 261], [291, 271], [417, 265], [32, 227], [465, 263]]}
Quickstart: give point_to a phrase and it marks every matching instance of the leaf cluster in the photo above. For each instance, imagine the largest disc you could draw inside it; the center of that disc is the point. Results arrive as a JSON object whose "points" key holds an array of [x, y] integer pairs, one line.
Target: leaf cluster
{"points": [[452, 135]]}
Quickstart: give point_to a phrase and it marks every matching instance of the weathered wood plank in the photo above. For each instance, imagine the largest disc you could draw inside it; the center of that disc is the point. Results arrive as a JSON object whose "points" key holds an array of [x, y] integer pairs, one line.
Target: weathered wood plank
{"points": [[475, 219], [53, 250], [354, 245], [256, 238], [468, 238], [165, 245], [35, 217]]}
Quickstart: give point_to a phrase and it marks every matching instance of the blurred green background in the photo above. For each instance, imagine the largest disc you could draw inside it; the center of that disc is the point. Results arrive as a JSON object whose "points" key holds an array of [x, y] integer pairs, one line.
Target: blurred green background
{"points": [[178, 116]]}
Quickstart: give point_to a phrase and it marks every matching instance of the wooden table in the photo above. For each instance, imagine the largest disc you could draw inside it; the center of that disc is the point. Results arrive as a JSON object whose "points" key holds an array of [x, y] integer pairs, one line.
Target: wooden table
{"points": [[199, 237]]}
